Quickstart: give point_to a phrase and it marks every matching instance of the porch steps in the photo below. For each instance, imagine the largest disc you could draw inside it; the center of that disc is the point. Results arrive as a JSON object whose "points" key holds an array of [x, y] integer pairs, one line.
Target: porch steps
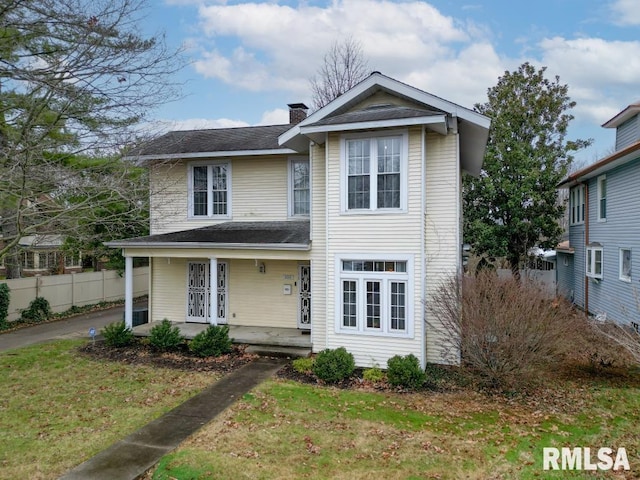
{"points": [[279, 351]]}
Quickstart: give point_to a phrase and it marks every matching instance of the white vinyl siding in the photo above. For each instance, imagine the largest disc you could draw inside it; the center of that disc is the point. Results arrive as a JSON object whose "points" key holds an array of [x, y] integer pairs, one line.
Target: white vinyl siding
{"points": [[366, 236], [259, 192]]}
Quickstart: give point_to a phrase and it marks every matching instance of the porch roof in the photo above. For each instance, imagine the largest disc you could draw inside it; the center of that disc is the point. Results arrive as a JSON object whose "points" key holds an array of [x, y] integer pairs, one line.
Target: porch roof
{"points": [[286, 235]]}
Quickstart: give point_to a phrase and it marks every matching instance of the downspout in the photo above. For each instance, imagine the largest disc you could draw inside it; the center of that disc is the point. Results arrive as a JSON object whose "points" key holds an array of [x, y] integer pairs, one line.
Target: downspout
{"points": [[586, 244]]}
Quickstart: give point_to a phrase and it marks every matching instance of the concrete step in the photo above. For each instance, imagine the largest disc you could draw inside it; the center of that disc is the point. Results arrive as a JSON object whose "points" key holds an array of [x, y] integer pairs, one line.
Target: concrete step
{"points": [[279, 351]]}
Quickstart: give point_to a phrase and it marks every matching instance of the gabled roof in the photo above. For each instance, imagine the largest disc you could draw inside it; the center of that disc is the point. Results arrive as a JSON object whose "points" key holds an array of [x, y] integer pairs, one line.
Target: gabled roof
{"points": [[623, 116], [216, 142], [472, 126], [616, 159], [285, 235]]}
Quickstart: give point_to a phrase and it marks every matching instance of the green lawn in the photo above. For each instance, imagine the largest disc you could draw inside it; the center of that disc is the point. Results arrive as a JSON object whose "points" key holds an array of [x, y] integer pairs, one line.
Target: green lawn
{"points": [[58, 408], [285, 430]]}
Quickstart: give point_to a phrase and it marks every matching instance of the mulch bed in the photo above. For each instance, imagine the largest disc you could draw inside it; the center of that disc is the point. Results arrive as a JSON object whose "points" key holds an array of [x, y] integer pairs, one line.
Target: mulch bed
{"points": [[140, 353]]}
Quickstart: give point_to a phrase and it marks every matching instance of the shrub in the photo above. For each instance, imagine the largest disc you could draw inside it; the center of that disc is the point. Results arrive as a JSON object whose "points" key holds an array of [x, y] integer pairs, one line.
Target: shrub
{"points": [[373, 375], [165, 337], [117, 334], [39, 310], [405, 372], [332, 366], [4, 305], [505, 331], [214, 341], [303, 365]]}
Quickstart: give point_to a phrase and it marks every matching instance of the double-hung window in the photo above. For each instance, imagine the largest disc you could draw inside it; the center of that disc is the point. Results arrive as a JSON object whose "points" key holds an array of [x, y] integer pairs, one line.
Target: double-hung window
{"points": [[374, 297], [299, 187], [594, 261], [576, 205], [602, 198], [375, 171], [209, 190]]}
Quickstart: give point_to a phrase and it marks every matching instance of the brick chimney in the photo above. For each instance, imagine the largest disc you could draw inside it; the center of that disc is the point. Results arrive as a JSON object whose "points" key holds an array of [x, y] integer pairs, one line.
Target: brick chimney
{"points": [[297, 112]]}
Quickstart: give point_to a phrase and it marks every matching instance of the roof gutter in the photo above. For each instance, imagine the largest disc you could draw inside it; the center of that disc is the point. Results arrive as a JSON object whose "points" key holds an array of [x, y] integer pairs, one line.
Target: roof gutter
{"points": [[224, 246]]}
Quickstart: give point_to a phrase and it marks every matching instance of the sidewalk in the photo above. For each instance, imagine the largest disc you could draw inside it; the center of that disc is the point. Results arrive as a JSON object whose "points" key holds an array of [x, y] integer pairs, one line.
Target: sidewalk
{"points": [[74, 327], [137, 453]]}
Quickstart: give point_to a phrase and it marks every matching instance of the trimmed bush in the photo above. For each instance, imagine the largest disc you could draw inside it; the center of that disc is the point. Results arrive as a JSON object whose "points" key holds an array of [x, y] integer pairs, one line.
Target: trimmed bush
{"points": [[117, 334], [405, 372], [373, 375], [165, 337], [39, 310], [212, 342], [303, 365], [4, 305], [332, 366]]}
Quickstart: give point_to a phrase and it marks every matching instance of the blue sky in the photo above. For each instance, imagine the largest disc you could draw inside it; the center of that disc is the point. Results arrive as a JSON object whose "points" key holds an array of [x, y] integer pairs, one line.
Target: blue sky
{"points": [[249, 59]]}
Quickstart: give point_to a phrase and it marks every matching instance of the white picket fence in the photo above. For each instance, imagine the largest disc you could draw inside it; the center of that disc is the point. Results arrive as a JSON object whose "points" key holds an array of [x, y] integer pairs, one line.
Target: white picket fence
{"points": [[74, 289]]}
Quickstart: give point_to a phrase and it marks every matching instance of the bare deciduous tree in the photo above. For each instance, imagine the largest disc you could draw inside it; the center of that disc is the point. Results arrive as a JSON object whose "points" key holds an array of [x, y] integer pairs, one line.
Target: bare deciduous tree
{"points": [[76, 79], [344, 66]]}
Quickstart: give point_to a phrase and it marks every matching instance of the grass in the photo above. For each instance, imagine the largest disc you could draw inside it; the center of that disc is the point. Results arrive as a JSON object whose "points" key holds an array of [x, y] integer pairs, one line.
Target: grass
{"points": [[289, 430], [58, 408]]}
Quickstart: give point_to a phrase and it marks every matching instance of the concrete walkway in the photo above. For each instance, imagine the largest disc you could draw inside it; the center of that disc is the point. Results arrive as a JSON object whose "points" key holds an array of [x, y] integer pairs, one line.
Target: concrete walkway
{"points": [[131, 457]]}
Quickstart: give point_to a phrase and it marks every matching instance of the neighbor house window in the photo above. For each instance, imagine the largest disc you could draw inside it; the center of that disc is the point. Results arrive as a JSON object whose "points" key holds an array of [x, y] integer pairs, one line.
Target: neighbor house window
{"points": [[594, 262], [210, 190], [602, 198], [73, 260], [299, 187], [375, 171], [576, 205], [374, 297], [28, 260], [625, 264]]}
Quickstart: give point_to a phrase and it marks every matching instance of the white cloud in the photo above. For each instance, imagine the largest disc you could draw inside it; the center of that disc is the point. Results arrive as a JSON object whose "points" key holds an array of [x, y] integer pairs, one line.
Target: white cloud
{"points": [[202, 123], [603, 76], [626, 12], [266, 46], [277, 116]]}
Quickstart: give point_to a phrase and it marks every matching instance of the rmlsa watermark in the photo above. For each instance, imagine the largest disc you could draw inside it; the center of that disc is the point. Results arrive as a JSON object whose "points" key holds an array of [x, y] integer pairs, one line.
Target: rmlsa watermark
{"points": [[582, 458]]}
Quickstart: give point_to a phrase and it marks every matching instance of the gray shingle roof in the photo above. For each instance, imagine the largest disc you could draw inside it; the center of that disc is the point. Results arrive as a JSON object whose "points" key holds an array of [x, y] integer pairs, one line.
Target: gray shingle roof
{"points": [[254, 233], [376, 113], [214, 140]]}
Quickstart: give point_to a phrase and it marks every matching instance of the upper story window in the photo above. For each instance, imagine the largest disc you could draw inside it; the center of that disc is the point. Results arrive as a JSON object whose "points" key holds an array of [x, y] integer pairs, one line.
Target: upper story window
{"points": [[299, 187], [602, 198], [576, 205], [209, 190], [375, 172]]}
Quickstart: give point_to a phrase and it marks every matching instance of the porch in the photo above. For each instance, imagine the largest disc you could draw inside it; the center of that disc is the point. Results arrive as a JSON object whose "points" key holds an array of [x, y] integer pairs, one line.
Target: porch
{"points": [[274, 341]]}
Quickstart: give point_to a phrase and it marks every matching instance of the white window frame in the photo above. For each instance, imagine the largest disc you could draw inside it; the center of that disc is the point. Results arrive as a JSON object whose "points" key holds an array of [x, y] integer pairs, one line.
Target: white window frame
{"points": [[591, 255], [373, 172], [621, 274], [190, 178], [291, 186], [576, 205], [386, 280], [602, 216]]}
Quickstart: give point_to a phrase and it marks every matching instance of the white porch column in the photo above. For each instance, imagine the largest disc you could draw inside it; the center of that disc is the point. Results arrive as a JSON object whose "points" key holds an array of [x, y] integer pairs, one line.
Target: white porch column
{"points": [[128, 292], [213, 289]]}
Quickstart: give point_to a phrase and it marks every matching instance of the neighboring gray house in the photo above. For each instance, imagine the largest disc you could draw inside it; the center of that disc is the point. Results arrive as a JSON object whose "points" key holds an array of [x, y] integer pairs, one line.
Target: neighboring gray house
{"points": [[597, 269]]}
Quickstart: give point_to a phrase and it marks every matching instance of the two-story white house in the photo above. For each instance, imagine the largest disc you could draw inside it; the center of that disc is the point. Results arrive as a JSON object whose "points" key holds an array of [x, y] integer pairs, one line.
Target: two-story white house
{"points": [[344, 223]]}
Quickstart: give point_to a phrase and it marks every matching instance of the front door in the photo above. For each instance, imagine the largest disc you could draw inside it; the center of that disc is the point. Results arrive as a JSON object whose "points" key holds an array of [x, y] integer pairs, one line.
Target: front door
{"points": [[304, 297], [199, 292]]}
